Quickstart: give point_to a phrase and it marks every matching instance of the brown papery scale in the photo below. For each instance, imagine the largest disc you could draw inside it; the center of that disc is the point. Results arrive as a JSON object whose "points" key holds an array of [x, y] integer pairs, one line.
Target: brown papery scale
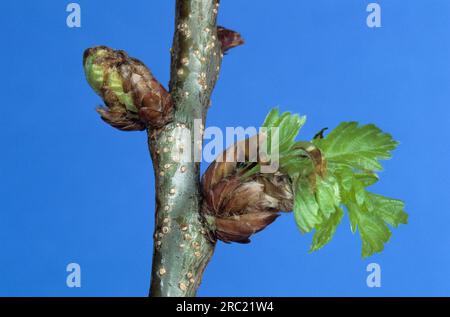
{"points": [[153, 101], [236, 206]]}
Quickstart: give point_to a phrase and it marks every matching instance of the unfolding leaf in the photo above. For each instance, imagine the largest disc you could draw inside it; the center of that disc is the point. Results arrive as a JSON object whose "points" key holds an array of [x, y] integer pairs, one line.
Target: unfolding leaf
{"points": [[373, 231], [367, 178], [271, 118], [370, 214], [286, 126], [327, 195], [306, 208], [390, 210], [358, 147], [325, 232]]}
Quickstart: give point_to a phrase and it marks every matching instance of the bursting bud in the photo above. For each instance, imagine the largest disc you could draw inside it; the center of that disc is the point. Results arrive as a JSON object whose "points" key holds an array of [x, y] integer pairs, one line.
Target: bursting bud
{"points": [[237, 206], [134, 99]]}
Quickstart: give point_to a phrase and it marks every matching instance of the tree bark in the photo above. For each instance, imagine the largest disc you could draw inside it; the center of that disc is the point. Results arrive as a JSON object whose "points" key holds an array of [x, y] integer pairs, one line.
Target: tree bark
{"points": [[181, 245]]}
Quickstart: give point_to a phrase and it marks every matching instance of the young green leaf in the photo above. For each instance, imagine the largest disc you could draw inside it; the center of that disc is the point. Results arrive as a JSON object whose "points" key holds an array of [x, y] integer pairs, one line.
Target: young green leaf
{"points": [[327, 195], [373, 231], [366, 178], [357, 147], [271, 118], [390, 210], [306, 209], [288, 126], [325, 232], [370, 214]]}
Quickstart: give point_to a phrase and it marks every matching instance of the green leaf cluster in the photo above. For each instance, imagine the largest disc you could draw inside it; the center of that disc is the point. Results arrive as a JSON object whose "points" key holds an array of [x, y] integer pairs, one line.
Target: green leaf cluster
{"points": [[331, 174], [353, 153]]}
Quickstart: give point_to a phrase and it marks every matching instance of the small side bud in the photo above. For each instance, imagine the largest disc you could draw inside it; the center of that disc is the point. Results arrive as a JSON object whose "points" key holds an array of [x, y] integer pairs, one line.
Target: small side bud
{"points": [[134, 99], [228, 38]]}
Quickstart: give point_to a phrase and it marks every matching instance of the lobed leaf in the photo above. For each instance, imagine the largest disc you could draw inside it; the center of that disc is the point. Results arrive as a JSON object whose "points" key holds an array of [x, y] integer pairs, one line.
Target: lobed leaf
{"points": [[357, 147], [334, 171], [325, 232], [306, 208], [388, 209]]}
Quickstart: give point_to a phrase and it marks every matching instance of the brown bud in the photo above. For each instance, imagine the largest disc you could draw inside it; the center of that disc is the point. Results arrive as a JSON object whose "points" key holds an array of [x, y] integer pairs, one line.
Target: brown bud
{"points": [[134, 99], [151, 98], [242, 206], [228, 38]]}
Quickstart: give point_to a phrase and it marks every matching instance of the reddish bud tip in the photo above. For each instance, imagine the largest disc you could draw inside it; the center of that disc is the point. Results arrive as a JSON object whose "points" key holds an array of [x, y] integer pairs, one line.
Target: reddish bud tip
{"points": [[228, 38]]}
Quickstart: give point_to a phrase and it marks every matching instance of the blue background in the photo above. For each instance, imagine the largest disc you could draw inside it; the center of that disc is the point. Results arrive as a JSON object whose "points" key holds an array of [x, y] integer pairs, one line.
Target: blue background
{"points": [[72, 189]]}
